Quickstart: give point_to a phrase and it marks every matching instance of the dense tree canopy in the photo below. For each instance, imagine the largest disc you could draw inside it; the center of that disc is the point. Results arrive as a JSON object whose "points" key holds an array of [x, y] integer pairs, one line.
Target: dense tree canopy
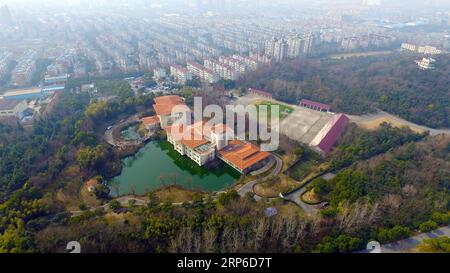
{"points": [[392, 83]]}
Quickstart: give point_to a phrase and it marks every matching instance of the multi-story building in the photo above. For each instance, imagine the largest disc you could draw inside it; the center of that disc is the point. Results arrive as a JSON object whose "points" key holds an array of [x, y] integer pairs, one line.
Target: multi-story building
{"points": [[224, 70], [12, 108], [309, 40], [202, 72], [270, 47], [159, 74], [202, 142], [56, 80], [429, 50], [426, 63], [23, 72], [280, 50], [193, 142], [410, 47], [295, 47], [251, 63], [239, 66], [163, 107], [181, 74], [277, 48], [5, 61]]}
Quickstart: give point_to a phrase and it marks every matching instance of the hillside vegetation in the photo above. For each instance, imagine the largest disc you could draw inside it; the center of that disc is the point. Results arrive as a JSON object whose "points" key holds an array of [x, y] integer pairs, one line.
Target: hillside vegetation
{"points": [[392, 83]]}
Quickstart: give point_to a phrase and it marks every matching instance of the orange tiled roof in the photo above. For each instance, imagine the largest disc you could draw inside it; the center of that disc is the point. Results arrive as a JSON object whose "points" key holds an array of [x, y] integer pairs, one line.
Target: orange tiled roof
{"points": [[172, 99], [242, 154], [164, 104], [92, 182], [194, 139], [196, 132], [194, 143], [150, 120]]}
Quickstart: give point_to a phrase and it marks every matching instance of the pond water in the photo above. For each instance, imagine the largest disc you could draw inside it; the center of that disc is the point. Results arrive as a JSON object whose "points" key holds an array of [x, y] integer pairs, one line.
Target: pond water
{"points": [[158, 164], [130, 133]]}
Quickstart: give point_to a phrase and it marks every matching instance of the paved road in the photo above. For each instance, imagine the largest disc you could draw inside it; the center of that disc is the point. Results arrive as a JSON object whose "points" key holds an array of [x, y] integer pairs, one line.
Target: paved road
{"points": [[248, 187], [295, 197], [382, 114], [123, 200], [412, 242]]}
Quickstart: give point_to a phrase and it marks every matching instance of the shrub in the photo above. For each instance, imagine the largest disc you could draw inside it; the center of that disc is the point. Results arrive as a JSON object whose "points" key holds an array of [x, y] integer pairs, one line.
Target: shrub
{"points": [[428, 226]]}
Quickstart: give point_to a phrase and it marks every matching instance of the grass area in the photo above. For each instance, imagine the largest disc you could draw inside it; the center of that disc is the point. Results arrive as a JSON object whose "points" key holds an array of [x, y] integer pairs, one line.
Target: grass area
{"points": [[175, 194], [303, 169], [311, 197], [286, 209], [309, 165], [273, 187], [89, 198], [284, 109]]}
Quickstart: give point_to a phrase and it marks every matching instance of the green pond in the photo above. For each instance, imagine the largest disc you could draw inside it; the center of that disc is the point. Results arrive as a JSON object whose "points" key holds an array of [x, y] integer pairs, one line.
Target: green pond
{"points": [[158, 164], [131, 133]]}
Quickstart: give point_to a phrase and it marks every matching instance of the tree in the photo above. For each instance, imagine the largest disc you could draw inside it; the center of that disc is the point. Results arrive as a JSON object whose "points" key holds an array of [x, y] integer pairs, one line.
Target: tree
{"points": [[435, 245], [428, 226], [341, 244], [90, 157], [114, 205], [15, 238], [393, 234], [226, 198], [102, 191]]}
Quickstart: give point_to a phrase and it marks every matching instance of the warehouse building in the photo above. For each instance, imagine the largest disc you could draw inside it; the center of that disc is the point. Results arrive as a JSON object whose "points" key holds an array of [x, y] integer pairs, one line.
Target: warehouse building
{"points": [[327, 137]]}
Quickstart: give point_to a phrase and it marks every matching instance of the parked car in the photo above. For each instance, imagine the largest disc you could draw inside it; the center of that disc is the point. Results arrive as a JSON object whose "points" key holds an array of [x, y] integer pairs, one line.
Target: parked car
{"points": [[324, 205]]}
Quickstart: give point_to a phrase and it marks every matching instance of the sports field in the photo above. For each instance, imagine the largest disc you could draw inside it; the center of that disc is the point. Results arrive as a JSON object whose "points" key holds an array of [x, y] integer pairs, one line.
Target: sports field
{"points": [[284, 110]]}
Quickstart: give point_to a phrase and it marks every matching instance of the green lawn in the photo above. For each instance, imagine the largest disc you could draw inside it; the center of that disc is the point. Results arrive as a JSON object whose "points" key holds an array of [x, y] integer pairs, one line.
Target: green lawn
{"points": [[284, 109]]}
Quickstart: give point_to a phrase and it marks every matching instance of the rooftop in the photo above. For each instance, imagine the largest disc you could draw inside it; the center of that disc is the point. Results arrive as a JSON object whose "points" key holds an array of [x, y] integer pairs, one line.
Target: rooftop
{"points": [[243, 155], [315, 104], [164, 104], [328, 136], [192, 135], [18, 92], [260, 92], [8, 104], [171, 99], [150, 120], [92, 182]]}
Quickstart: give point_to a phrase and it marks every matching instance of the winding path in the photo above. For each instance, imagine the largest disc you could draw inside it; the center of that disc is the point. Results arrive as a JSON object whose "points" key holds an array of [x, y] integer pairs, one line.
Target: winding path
{"points": [[409, 244], [123, 200], [248, 187], [295, 197]]}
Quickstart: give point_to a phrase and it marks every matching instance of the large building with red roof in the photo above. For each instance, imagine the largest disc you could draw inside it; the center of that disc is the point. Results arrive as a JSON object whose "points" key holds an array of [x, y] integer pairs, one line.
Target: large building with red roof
{"points": [[314, 105], [243, 156], [329, 134], [260, 93], [151, 123], [201, 141], [164, 106]]}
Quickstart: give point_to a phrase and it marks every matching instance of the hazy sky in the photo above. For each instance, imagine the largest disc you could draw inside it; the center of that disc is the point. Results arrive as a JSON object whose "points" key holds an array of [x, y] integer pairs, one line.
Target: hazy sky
{"points": [[409, 3]]}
